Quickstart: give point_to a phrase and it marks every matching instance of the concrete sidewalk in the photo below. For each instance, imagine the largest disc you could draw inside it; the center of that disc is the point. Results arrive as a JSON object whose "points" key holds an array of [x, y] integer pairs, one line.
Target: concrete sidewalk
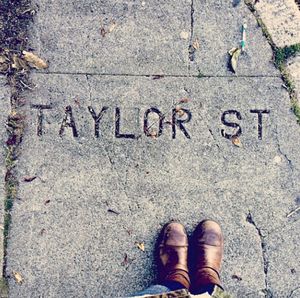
{"points": [[131, 126]]}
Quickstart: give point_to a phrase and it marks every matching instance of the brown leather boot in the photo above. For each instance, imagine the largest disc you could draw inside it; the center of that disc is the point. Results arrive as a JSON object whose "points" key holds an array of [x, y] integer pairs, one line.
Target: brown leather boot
{"points": [[173, 254], [208, 250]]}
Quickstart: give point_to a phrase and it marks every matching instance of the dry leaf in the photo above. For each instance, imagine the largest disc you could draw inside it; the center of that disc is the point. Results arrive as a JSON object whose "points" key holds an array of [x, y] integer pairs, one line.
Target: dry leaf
{"points": [[235, 54], [3, 59], [141, 246], [4, 67], [103, 32], [18, 63], [153, 134], [236, 141], [177, 108], [18, 277], [179, 111], [196, 44], [34, 61], [231, 51], [112, 27]]}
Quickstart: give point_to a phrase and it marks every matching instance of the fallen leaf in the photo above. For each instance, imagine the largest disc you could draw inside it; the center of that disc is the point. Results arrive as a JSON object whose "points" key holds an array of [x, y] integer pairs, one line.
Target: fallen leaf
{"points": [[4, 67], [34, 61], [235, 54], [18, 277], [140, 246], [29, 179], [236, 141], [112, 27], [196, 44], [179, 111], [18, 63], [177, 108], [153, 134], [231, 51], [103, 32], [3, 59]]}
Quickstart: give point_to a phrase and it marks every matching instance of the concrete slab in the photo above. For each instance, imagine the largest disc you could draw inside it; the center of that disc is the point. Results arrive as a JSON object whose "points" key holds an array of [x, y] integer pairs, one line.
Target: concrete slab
{"points": [[120, 37], [218, 28], [282, 18], [76, 225], [147, 37], [282, 258]]}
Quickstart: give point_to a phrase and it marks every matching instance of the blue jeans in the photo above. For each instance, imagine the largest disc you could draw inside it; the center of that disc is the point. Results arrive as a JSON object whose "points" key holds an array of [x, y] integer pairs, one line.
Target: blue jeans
{"points": [[153, 290]]}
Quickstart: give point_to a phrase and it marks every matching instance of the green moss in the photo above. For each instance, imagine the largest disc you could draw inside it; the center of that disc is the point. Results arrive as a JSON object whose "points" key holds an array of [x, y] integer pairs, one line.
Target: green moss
{"points": [[296, 109], [283, 54]]}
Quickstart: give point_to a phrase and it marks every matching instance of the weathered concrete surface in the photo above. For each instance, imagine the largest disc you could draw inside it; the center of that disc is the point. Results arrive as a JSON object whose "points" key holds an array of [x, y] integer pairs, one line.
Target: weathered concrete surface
{"points": [[147, 37], [217, 27], [293, 67], [65, 240], [66, 243], [282, 18], [4, 109]]}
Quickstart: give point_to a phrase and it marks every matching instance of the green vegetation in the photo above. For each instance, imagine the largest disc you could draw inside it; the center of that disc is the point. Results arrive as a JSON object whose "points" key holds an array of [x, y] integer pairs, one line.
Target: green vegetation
{"points": [[281, 56]]}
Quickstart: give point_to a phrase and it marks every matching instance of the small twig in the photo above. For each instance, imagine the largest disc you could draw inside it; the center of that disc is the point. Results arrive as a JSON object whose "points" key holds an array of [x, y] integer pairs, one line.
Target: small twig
{"points": [[26, 86], [293, 212]]}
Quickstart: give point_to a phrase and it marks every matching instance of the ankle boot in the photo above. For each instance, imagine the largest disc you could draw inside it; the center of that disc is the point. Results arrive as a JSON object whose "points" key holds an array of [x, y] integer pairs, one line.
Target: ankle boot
{"points": [[173, 253], [208, 250]]}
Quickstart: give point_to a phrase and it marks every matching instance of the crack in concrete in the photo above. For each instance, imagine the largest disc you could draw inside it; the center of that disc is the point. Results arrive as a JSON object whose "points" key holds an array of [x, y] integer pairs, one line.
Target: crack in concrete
{"points": [[249, 218], [117, 173], [289, 161], [191, 49], [293, 291]]}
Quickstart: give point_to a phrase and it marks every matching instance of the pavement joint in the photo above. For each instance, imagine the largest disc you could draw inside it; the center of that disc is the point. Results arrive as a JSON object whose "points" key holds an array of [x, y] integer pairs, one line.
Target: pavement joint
{"points": [[155, 76]]}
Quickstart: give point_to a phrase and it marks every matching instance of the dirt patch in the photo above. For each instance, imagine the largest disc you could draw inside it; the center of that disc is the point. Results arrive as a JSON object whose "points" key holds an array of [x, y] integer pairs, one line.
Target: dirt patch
{"points": [[15, 17]]}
